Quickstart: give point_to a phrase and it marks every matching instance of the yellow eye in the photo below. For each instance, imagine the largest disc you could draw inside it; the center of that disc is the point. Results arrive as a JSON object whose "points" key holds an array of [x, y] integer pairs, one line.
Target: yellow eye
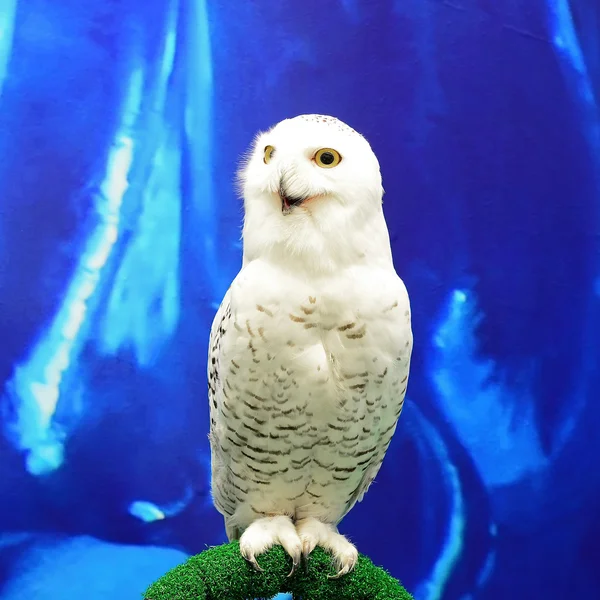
{"points": [[268, 154], [327, 158]]}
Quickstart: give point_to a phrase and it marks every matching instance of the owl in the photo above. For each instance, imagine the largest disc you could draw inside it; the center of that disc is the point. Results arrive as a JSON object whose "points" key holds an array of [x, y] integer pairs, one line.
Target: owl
{"points": [[310, 350]]}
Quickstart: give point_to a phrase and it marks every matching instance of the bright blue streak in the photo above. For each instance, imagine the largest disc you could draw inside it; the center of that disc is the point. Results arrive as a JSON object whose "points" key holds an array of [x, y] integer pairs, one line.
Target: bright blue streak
{"points": [[146, 511], [565, 39], [434, 586], [98, 570], [143, 308], [38, 383], [484, 414], [198, 122], [7, 22]]}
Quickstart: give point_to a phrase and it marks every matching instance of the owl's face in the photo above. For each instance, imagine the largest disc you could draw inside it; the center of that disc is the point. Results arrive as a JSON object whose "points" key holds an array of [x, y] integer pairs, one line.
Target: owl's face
{"points": [[312, 189], [304, 163]]}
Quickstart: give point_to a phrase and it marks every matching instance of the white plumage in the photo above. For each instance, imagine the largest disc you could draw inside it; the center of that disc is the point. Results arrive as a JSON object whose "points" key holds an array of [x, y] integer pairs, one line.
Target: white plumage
{"points": [[310, 350]]}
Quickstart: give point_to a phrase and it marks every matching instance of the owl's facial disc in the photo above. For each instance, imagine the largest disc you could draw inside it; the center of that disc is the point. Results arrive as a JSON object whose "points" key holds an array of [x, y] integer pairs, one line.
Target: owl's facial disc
{"points": [[295, 182]]}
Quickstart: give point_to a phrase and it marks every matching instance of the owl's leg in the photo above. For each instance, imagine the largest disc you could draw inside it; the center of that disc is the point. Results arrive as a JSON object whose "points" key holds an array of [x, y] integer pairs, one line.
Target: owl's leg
{"points": [[313, 532], [266, 532]]}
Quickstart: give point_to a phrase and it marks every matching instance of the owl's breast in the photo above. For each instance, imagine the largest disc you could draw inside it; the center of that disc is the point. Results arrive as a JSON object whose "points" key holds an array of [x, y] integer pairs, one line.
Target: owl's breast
{"points": [[326, 330]]}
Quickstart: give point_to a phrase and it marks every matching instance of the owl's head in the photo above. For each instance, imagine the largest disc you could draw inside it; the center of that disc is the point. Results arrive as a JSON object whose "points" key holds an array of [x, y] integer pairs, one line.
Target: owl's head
{"points": [[311, 186]]}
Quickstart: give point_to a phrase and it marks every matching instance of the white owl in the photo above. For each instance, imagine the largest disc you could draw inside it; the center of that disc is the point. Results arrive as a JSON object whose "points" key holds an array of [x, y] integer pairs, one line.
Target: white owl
{"points": [[310, 350]]}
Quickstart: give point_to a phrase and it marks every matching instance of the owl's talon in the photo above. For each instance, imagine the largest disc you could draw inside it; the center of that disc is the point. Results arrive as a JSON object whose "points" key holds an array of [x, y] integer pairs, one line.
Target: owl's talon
{"points": [[315, 533], [267, 532], [294, 567], [249, 555], [252, 560], [340, 573]]}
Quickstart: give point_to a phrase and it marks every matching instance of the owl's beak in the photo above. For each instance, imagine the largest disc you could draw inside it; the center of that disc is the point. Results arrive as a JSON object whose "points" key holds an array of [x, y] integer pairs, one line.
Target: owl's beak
{"points": [[289, 202]]}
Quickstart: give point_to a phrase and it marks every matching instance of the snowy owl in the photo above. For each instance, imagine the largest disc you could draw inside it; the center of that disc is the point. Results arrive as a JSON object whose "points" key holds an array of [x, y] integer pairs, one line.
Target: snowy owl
{"points": [[310, 349]]}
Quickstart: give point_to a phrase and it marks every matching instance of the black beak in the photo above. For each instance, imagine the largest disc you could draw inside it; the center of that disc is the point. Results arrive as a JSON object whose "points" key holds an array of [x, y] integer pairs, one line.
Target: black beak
{"points": [[288, 202]]}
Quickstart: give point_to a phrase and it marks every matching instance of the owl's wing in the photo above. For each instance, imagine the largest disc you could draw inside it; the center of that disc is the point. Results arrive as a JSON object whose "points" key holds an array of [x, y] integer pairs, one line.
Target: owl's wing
{"points": [[370, 473], [382, 437], [220, 325]]}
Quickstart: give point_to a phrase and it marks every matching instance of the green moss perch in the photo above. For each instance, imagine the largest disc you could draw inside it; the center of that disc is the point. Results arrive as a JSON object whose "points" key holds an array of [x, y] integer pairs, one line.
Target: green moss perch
{"points": [[220, 573]]}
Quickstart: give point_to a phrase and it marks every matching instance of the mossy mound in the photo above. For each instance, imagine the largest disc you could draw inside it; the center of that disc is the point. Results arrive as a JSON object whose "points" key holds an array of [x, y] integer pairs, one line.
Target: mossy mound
{"points": [[220, 573]]}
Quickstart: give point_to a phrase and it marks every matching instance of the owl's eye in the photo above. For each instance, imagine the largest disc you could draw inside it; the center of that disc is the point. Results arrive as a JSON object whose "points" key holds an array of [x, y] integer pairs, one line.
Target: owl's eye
{"points": [[269, 150], [327, 158]]}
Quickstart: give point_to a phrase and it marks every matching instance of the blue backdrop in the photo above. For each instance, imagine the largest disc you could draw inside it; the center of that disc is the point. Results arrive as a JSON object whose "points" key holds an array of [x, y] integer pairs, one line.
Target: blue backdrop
{"points": [[121, 125]]}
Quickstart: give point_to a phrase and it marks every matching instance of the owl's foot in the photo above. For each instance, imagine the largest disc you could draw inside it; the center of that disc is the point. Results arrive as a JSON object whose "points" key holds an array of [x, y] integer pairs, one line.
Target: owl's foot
{"points": [[314, 533], [266, 532]]}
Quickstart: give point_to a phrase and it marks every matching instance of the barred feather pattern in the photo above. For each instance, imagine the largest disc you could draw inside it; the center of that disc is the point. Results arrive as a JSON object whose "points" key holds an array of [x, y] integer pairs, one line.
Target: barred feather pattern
{"points": [[307, 380]]}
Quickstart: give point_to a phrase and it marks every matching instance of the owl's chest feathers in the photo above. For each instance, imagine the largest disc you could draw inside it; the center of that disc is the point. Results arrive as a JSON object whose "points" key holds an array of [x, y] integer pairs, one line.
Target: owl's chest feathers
{"points": [[327, 339]]}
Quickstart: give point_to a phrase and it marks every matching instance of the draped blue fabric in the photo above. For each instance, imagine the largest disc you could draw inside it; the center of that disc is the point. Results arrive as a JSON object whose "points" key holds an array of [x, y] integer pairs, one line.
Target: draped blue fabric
{"points": [[121, 126]]}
